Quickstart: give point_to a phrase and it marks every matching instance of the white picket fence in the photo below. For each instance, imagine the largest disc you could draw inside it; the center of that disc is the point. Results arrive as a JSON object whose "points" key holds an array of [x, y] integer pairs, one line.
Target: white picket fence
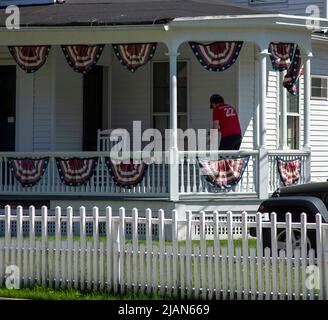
{"points": [[205, 269]]}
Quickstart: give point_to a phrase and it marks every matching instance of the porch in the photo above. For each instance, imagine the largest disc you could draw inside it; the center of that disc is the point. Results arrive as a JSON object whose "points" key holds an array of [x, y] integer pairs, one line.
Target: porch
{"points": [[50, 123]]}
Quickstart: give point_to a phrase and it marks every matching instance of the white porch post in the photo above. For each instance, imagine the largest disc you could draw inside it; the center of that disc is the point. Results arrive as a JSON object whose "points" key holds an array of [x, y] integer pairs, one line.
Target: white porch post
{"points": [[263, 174], [307, 104], [283, 112], [307, 100], [174, 154]]}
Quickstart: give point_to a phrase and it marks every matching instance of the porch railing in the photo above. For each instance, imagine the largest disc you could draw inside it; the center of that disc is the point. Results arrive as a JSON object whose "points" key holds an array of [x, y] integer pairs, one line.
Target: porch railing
{"points": [[191, 178], [155, 182], [288, 155]]}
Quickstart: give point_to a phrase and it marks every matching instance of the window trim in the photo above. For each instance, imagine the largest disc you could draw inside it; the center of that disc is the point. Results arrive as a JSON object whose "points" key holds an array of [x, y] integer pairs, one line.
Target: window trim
{"points": [[152, 113], [319, 98]]}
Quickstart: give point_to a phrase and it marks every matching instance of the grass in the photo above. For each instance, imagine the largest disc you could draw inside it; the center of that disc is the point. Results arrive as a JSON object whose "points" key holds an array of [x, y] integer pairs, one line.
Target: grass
{"points": [[39, 293]]}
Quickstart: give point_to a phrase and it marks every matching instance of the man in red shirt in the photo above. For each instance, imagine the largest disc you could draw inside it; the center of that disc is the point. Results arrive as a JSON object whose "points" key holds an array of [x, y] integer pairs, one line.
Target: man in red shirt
{"points": [[225, 120]]}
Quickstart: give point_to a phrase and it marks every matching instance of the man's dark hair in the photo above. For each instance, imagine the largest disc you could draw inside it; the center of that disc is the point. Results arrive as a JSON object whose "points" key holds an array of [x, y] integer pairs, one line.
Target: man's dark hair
{"points": [[216, 98]]}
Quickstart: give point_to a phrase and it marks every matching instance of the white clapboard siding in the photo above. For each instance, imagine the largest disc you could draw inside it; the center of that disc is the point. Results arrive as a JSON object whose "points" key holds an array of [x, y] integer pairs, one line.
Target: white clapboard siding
{"points": [[203, 270]]}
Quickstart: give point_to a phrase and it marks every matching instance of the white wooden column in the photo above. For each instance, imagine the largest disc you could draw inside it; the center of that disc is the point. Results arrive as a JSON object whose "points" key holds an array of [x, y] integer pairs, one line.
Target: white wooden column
{"points": [[283, 112], [174, 154], [307, 100], [262, 99], [263, 174]]}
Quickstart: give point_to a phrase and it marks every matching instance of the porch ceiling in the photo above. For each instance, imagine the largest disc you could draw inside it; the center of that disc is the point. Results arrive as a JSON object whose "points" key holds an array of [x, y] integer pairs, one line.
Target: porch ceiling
{"points": [[124, 12]]}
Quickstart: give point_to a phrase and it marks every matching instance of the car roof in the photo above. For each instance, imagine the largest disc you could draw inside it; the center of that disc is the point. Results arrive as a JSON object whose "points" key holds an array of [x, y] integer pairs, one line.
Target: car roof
{"points": [[305, 188]]}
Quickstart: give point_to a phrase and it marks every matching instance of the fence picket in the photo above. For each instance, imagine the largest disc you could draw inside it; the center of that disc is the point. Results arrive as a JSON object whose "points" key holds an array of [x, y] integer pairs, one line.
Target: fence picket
{"points": [[274, 253], [238, 273], [297, 255], [188, 254], [231, 255], [253, 273], [289, 252], [141, 266], [161, 238], [25, 262], [175, 251], [38, 261], [267, 273], [135, 243], [31, 244], [82, 244], [318, 222], [89, 268], [128, 268], [44, 236], [196, 272], [210, 272], [304, 254], [50, 263], [224, 273], [109, 248], [122, 249], [149, 229], [259, 245], [312, 263], [19, 229], [69, 246], [155, 270], [245, 254], [282, 279], [7, 234], [57, 245], [217, 268], [202, 235], [182, 272], [95, 229], [76, 265]]}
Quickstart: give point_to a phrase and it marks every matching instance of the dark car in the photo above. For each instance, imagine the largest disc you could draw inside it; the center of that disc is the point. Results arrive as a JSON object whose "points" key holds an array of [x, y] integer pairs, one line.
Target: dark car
{"points": [[309, 198]]}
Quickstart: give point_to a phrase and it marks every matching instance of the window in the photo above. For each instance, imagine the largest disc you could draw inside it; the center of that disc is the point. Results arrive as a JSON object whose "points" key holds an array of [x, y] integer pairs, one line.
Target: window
{"points": [[161, 95], [293, 121], [319, 88]]}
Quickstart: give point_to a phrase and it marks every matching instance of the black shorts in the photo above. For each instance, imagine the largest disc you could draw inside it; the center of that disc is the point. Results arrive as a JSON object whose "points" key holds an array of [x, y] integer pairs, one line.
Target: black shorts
{"points": [[231, 142]]}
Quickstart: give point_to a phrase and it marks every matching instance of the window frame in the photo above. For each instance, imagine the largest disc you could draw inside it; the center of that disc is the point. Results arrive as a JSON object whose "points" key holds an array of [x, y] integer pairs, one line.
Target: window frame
{"points": [[315, 97], [186, 113]]}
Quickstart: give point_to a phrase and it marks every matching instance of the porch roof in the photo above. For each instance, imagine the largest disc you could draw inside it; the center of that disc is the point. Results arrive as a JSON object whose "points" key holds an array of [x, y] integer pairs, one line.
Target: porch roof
{"points": [[124, 12]]}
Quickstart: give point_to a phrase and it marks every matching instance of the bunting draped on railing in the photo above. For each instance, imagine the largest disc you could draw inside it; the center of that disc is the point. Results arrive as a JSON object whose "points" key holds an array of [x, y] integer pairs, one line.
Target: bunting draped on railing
{"points": [[27, 171], [133, 56], [75, 172], [294, 73], [281, 55], [82, 58], [217, 56], [289, 170], [30, 58], [126, 174], [224, 173]]}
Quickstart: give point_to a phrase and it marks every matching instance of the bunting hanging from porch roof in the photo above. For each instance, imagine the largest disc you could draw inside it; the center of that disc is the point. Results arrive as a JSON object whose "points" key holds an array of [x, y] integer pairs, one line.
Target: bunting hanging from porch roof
{"points": [[217, 56], [30, 58], [126, 175], [224, 173], [289, 170], [82, 58], [75, 172], [281, 55], [28, 171], [133, 56], [294, 73]]}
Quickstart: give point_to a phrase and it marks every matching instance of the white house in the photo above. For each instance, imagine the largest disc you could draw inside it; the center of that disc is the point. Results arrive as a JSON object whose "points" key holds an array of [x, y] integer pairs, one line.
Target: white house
{"points": [[56, 112]]}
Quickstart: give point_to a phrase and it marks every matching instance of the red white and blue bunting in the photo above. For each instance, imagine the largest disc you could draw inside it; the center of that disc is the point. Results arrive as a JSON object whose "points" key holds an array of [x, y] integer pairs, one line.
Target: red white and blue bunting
{"points": [[294, 73], [224, 173], [75, 172], [127, 174], [133, 56], [289, 171], [217, 56], [82, 58], [27, 171], [281, 55], [30, 58]]}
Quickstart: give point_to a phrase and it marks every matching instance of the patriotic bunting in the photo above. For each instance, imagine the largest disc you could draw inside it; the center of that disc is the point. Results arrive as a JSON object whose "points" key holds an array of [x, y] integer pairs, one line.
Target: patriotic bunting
{"points": [[224, 173], [126, 175], [75, 172], [289, 171], [82, 58], [28, 172], [133, 56], [281, 55], [30, 58], [294, 73], [217, 56]]}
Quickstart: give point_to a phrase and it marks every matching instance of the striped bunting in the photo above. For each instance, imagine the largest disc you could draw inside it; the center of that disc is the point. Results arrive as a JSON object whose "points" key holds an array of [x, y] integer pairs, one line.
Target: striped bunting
{"points": [[217, 56], [224, 173], [126, 174], [28, 172], [82, 58], [30, 58], [133, 56], [281, 55], [75, 172], [289, 171]]}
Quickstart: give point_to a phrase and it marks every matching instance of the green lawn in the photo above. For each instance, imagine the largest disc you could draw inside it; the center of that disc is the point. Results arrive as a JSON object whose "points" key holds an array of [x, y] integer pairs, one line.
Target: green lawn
{"points": [[39, 293]]}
